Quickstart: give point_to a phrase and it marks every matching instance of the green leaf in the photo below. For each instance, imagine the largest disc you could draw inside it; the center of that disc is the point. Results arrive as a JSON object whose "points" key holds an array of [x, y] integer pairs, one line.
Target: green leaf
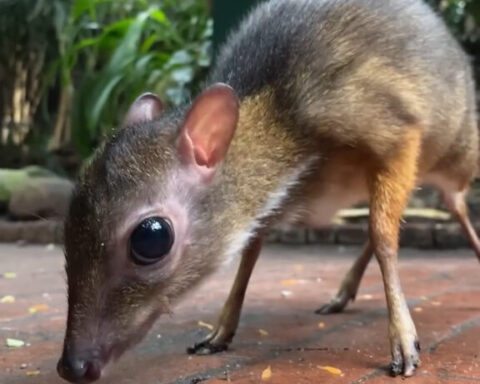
{"points": [[81, 7], [183, 75], [118, 27], [87, 43], [176, 95], [125, 53], [60, 17], [141, 65], [181, 57], [147, 44], [14, 343], [159, 16], [101, 100]]}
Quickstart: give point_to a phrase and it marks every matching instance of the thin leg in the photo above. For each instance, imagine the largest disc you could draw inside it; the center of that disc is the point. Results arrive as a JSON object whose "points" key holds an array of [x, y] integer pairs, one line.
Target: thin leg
{"points": [[455, 202], [390, 187], [349, 287], [223, 333]]}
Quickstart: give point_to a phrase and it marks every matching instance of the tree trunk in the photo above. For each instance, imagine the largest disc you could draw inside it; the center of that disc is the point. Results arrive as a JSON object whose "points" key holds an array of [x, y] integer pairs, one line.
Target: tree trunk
{"points": [[61, 133]]}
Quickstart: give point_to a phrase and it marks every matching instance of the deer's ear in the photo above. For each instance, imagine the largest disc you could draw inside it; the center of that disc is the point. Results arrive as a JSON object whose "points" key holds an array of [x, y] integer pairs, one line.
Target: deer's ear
{"points": [[146, 107], [208, 128]]}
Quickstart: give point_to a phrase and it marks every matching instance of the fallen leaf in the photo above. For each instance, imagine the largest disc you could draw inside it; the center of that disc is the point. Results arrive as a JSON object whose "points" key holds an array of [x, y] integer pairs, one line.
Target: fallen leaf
{"points": [[263, 332], [15, 343], [267, 373], [366, 297], [33, 373], [38, 308], [321, 325], [7, 299], [298, 267], [329, 369], [205, 325], [289, 282], [10, 275], [286, 293], [418, 309]]}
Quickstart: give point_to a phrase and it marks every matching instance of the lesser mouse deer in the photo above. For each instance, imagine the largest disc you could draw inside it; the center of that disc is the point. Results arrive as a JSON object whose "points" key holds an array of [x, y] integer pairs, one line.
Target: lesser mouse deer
{"points": [[312, 105]]}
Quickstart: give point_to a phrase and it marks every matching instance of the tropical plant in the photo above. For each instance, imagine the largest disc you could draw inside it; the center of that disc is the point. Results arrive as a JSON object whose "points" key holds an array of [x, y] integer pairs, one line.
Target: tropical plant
{"points": [[463, 19], [70, 68], [161, 47], [26, 51]]}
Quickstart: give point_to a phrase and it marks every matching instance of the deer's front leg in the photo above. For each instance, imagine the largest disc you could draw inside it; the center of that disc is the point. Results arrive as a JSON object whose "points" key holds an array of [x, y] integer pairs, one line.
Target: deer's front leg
{"points": [[390, 186], [224, 331], [350, 283]]}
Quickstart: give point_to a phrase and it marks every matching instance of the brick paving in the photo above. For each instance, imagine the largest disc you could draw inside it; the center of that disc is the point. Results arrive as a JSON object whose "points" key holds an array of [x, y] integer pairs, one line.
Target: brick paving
{"points": [[443, 289]]}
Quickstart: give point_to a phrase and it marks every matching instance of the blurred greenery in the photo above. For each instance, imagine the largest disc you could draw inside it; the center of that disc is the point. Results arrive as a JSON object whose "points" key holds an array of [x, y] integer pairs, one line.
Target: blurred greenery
{"points": [[96, 56], [463, 19], [70, 68]]}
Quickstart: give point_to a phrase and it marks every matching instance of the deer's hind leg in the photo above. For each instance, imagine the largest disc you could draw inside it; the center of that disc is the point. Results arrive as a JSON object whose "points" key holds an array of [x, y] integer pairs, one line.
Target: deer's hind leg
{"points": [[455, 202]]}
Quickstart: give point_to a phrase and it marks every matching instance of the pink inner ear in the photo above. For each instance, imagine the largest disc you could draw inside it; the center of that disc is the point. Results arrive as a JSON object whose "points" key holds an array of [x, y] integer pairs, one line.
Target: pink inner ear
{"points": [[209, 126], [146, 107]]}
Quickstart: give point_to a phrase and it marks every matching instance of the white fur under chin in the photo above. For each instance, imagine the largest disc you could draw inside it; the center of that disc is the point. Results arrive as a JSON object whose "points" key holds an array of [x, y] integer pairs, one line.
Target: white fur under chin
{"points": [[239, 240]]}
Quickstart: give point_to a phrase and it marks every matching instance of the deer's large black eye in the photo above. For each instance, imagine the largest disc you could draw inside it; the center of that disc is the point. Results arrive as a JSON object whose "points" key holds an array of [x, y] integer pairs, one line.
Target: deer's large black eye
{"points": [[151, 240]]}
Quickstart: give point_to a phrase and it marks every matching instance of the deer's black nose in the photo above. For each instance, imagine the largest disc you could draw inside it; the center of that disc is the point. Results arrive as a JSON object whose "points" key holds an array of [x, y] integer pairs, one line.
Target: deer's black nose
{"points": [[78, 369]]}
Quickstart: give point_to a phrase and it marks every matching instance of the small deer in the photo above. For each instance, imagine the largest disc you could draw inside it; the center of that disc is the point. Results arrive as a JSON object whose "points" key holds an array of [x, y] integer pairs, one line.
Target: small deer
{"points": [[311, 106]]}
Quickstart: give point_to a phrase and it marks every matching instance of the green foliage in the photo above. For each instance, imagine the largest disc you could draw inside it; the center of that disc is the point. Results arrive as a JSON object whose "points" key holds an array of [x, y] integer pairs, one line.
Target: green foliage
{"points": [[87, 61], [463, 19], [162, 47], [462, 16], [78, 64], [26, 50]]}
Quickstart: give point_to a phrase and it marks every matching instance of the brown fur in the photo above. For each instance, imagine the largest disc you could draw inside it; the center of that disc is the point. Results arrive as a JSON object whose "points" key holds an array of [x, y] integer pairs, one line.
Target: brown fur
{"points": [[390, 186], [340, 101]]}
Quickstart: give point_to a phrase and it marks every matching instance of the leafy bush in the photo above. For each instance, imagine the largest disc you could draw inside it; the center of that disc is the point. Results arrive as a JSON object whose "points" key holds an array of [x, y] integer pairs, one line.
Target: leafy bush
{"points": [[89, 60], [70, 68], [463, 19], [162, 47], [26, 51]]}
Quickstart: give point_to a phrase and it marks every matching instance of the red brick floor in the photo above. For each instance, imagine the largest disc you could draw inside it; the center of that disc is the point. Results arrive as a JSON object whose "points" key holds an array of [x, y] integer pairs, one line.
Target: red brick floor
{"points": [[443, 289]]}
